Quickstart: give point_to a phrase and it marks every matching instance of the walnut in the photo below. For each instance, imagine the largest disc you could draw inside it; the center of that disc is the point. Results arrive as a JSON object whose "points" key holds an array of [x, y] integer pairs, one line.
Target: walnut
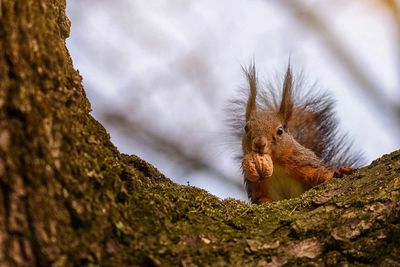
{"points": [[257, 166]]}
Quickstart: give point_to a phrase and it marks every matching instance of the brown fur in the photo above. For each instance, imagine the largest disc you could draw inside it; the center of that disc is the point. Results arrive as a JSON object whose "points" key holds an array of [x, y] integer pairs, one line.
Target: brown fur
{"points": [[298, 133]]}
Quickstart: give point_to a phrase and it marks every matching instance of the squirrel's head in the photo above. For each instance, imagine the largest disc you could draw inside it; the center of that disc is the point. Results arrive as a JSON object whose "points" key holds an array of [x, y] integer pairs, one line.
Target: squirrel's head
{"points": [[266, 131]]}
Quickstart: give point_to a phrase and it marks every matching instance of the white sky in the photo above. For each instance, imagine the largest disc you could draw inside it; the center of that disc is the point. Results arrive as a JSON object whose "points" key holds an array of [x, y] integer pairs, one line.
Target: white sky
{"points": [[128, 50]]}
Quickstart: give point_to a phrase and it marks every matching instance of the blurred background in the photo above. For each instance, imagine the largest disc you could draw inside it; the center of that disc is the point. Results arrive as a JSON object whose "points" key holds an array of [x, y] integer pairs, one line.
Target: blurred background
{"points": [[159, 73]]}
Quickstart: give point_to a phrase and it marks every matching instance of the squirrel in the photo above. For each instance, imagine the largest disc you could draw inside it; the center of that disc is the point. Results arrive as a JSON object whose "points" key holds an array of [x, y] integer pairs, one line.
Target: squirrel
{"points": [[290, 142]]}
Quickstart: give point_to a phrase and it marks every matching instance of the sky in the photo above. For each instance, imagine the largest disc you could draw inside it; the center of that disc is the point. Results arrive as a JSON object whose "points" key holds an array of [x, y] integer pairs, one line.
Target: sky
{"points": [[170, 69]]}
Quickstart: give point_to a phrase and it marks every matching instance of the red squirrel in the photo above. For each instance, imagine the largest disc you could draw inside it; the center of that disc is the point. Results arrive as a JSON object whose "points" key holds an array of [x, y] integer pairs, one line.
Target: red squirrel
{"points": [[290, 142]]}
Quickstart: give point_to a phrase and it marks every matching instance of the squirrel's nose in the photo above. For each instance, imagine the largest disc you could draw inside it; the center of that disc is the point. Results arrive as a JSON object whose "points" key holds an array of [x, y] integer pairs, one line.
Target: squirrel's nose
{"points": [[259, 145]]}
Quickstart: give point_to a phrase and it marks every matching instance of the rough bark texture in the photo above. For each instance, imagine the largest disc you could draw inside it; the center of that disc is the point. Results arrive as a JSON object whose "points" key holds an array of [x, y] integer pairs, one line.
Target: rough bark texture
{"points": [[69, 198]]}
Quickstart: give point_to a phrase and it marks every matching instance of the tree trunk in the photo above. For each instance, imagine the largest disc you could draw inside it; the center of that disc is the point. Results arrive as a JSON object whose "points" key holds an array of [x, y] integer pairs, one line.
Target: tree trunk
{"points": [[69, 198]]}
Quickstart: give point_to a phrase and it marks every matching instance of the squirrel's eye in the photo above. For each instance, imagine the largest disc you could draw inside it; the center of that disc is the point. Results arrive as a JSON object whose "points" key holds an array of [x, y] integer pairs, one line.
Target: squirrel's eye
{"points": [[279, 131], [246, 128]]}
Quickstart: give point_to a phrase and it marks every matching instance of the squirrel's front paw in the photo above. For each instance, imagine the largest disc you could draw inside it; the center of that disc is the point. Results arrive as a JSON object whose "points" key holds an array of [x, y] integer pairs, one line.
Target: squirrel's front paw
{"points": [[257, 166], [344, 170]]}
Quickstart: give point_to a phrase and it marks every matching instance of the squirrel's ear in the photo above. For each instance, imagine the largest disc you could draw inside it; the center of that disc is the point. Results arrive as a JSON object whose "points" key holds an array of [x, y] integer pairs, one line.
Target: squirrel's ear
{"points": [[286, 107], [251, 76]]}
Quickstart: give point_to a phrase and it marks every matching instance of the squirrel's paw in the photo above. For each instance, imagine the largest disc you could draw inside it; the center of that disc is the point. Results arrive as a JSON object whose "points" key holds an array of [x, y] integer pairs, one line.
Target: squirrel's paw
{"points": [[344, 170]]}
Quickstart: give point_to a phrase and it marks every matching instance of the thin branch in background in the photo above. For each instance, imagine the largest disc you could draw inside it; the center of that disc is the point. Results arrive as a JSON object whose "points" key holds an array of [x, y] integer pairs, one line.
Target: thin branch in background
{"points": [[163, 145], [311, 20]]}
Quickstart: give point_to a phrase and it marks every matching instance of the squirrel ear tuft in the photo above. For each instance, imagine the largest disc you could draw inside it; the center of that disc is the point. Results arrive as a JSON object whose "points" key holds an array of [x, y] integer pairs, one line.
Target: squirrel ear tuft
{"points": [[251, 76], [286, 107]]}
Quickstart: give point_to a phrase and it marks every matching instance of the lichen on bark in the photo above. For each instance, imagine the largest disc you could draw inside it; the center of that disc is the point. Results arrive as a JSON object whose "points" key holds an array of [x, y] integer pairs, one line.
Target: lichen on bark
{"points": [[69, 198]]}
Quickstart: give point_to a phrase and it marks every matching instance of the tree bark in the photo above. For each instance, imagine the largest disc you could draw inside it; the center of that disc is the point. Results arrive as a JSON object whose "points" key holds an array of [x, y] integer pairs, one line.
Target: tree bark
{"points": [[69, 198]]}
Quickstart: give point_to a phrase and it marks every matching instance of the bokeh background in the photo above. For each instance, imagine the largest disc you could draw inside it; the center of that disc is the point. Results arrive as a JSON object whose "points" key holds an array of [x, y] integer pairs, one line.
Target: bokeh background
{"points": [[159, 74]]}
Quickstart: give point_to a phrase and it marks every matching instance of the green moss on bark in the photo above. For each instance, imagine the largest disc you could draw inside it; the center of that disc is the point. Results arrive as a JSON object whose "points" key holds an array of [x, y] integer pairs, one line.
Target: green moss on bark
{"points": [[350, 220]]}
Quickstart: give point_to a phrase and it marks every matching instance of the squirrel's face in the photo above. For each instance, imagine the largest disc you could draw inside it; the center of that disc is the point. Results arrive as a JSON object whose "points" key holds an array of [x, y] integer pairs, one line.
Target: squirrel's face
{"points": [[264, 134], [265, 130]]}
